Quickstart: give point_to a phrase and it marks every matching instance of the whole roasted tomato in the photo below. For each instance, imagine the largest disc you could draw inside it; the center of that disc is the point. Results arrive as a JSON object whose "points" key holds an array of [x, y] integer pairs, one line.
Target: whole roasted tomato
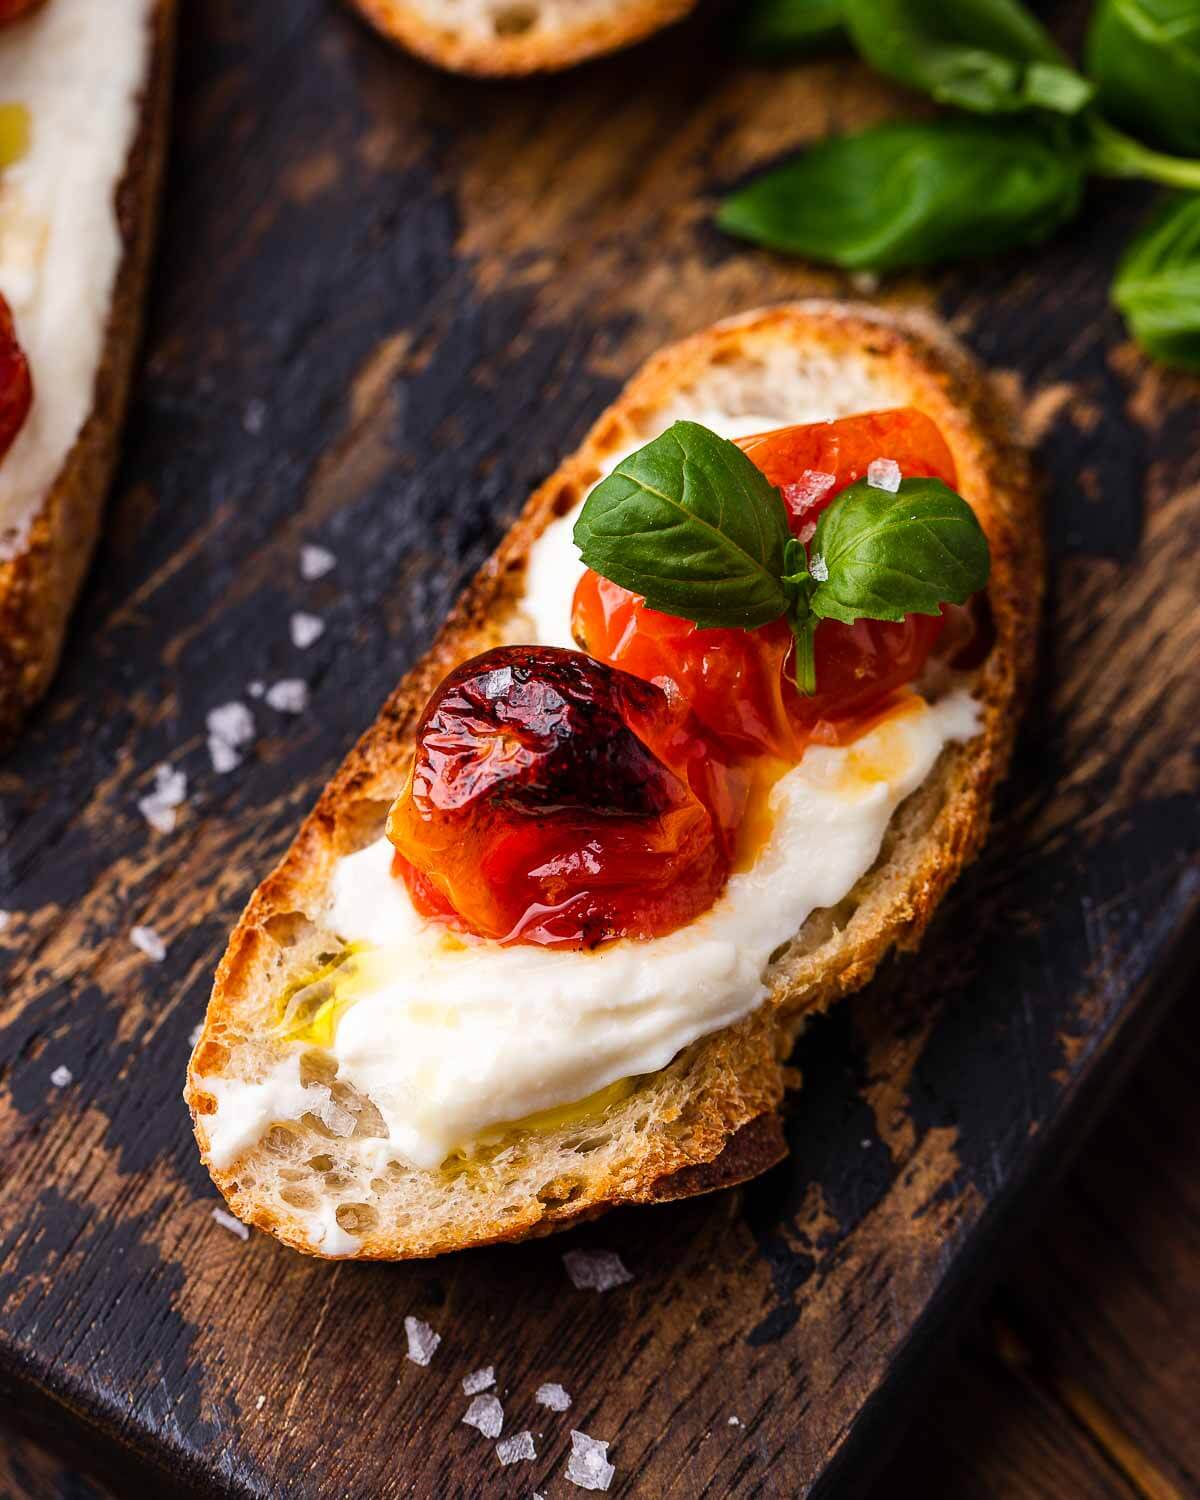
{"points": [[738, 683], [555, 800]]}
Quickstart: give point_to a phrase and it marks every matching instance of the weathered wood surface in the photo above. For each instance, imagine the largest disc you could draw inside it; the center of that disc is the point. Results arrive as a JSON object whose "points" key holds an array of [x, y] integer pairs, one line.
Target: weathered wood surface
{"points": [[1079, 1378], [387, 302]]}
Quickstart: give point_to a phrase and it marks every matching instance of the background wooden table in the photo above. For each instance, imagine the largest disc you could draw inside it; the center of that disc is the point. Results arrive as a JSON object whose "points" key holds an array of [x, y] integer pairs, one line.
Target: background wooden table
{"points": [[387, 302], [1079, 1380]]}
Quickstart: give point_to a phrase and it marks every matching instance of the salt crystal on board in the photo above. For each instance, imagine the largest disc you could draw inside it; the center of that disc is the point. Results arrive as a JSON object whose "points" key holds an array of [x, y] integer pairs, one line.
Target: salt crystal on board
{"points": [[884, 474], [256, 688], [422, 1341], [588, 1466], [147, 941], [234, 1226], [315, 562], [305, 629], [254, 416], [596, 1270], [552, 1395], [231, 722], [486, 1413], [223, 756], [516, 1448], [5, 919], [479, 1380], [289, 695], [195, 1033], [158, 807], [61, 1076]]}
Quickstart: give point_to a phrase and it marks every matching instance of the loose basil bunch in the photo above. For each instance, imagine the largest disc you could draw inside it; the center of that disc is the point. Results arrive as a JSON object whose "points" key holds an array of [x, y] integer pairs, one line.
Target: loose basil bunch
{"points": [[692, 526], [921, 194]]}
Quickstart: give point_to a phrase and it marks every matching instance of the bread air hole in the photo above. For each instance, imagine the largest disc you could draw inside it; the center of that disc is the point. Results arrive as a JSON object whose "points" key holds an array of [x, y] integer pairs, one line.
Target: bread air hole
{"points": [[514, 20], [287, 928], [321, 1163], [298, 1197], [356, 1218]]}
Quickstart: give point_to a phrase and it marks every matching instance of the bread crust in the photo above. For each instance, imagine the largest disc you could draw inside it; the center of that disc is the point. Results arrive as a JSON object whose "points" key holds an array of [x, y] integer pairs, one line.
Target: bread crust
{"points": [[739, 1072], [38, 586], [532, 51]]}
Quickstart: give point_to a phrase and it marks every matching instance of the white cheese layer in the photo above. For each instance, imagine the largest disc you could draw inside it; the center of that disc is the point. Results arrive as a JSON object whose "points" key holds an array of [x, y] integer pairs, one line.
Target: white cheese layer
{"points": [[78, 66]]}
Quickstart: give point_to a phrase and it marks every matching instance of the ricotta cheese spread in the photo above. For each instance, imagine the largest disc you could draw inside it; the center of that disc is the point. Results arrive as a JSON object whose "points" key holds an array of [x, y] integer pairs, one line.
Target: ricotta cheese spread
{"points": [[78, 67]]}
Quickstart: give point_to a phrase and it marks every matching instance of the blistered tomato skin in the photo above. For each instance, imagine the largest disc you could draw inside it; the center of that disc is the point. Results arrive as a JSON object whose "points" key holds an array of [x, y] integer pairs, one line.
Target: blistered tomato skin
{"points": [[739, 684], [552, 801], [16, 387]]}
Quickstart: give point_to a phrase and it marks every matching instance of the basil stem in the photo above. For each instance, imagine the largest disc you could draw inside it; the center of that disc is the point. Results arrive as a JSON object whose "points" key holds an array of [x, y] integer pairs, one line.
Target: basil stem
{"points": [[1114, 154]]}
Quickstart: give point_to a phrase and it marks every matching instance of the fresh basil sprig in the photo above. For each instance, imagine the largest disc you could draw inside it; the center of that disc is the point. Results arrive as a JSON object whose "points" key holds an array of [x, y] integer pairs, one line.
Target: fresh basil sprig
{"points": [[1145, 58], [775, 29], [989, 56], [692, 526], [911, 194], [1157, 286]]}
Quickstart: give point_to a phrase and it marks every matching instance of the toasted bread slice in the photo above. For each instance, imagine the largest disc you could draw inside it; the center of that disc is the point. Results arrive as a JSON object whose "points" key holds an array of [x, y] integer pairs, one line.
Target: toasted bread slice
{"points": [[500, 37], [708, 1118], [39, 583]]}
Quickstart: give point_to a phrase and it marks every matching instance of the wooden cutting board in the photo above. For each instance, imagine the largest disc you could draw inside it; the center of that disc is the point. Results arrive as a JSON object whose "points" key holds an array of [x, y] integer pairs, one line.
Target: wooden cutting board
{"points": [[387, 303]]}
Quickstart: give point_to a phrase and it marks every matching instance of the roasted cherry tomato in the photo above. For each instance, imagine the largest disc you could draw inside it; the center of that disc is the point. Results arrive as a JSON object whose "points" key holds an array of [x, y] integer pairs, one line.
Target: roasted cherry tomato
{"points": [[16, 388], [739, 683], [13, 10], [556, 800]]}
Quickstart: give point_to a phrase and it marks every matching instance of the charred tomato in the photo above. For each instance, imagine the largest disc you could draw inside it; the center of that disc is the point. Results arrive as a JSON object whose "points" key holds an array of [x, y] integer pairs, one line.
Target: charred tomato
{"points": [[16, 387], [556, 800]]}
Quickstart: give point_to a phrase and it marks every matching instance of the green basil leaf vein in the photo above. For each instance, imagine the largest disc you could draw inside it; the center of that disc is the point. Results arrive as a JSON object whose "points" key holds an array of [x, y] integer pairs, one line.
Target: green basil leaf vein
{"points": [[689, 523], [883, 555]]}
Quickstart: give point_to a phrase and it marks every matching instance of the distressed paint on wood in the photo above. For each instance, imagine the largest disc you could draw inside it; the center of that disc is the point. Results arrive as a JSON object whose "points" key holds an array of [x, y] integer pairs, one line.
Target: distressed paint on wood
{"points": [[387, 303]]}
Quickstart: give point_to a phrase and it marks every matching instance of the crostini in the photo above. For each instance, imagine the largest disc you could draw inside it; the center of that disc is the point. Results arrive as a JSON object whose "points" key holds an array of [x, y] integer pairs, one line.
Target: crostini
{"points": [[497, 37], [548, 935], [77, 214]]}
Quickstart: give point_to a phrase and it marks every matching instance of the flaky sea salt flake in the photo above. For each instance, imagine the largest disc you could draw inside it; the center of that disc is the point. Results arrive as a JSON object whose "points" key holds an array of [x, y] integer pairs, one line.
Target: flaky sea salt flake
{"points": [[61, 1077], [305, 629], [147, 941], [884, 474], [315, 562], [485, 1413], [818, 567], [479, 1380], [158, 807], [234, 1226], [812, 486], [256, 688], [195, 1034], [588, 1466], [231, 722], [223, 756], [422, 1341], [289, 695], [596, 1270], [516, 1448], [553, 1396]]}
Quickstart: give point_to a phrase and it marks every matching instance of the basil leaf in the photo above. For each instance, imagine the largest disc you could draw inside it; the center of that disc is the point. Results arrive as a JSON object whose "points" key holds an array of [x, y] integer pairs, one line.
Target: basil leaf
{"points": [[773, 30], [1145, 58], [884, 554], [912, 194], [989, 56], [1157, 286], [689, 523]]}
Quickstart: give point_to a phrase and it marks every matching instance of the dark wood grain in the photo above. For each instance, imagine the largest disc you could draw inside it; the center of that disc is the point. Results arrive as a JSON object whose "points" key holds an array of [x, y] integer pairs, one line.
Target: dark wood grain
{"points": [[387, 303]]}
